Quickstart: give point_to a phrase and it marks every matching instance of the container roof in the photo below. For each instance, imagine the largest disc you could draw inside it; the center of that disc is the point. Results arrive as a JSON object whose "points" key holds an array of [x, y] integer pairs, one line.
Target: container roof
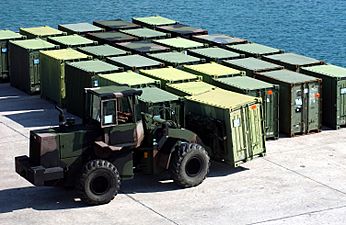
{"points": [[254, 48], [180, 43], [170, 74], [293, 59], [103, 50], [245, 82], [128, 78], [135, 61], [71, 40], [288, 76], [81, 27], [8, 34], [327, 70], [143, 46], [65, 54], [213, 69], [192, 88], [95, 66], [156, 95], [116, 24], [175, 57], [154, 20], [223, 99], [220, 39], [252, 64], [34, 44], [182, 29], [113, 36], [215, 53], [144, 33], [42, 31]]}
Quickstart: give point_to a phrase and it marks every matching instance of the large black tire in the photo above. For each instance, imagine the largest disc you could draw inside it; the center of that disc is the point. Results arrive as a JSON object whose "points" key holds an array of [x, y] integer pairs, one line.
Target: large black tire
{"points": [[99, 183], [189, 165]]}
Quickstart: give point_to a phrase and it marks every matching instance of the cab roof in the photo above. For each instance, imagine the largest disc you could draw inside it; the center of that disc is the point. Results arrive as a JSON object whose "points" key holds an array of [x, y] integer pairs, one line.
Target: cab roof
{"points": [[114, 91]]}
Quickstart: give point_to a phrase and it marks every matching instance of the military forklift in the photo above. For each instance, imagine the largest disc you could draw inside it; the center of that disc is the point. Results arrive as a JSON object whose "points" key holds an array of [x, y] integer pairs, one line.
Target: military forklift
{"points": [[114, 140]]}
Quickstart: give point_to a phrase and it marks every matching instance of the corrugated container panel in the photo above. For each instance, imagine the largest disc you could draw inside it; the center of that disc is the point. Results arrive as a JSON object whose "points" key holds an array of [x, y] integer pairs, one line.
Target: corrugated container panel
{"points": [[110, 38], [128, 78], [232, 124], [176, 58], [215, 54], [292, 61], [79, 28], [219, 39], [53, 72], [115, 24], [267, 91], [182, 30], [71, 41], [252, 65], [333, 93], [142, 47], [179, 44], [25, 63], [254, 49], [189, 88], [153, 21], [80, 75], [5, 37], [102, 51], [146, 33], [40, 32], [300, 102], [135, 62]]}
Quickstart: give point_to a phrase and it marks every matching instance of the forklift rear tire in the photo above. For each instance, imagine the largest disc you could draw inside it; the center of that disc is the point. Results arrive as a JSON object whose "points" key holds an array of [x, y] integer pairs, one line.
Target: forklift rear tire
{"points": [[99, 183], [189, 165]]}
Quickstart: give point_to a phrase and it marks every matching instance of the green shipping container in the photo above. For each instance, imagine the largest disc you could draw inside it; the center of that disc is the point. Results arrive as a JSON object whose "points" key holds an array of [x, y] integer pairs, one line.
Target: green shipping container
{"points": [[102, 51], [146, 33], [300, 102], [254, 49], [128, 78], [218, 39], [169, 75], [80, 75], [292, 61], [211, 71], [267, 91], [179, 44], [251, 65], [182, 30], [135, 62], [25, 63], [214, 54], [142, 47], [115, 24], [71, 41], [153, 21], [333, 93], [189, 88], [40, 32], [79, 28], [232, 124], [5, 37], [53, 72], [176, 58]]}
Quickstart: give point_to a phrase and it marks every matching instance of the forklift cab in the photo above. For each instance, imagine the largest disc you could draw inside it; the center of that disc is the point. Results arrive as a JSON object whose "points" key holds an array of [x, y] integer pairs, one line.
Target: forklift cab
{"points": [[114, 109]]}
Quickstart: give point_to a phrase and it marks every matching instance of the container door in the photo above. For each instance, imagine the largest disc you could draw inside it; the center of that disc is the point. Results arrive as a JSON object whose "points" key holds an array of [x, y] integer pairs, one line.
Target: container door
{"points": [[34, 71], [255, 129], [238, 131], [297, 125], [341, 102], [3, 61], [313, 106], [269, 112]]}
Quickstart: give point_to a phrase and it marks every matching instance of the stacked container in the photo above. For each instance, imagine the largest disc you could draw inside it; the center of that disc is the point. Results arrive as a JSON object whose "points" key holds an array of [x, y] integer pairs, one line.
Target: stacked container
{"points": [[176, 58], [254, 49], [135, 62], [71, 41], [218, 39], [333, 93], [102, 51], [80, 75], [5, 37], [267, 91], [169, 75], [53, 72], [300, 102], [79, 28], [143, 47], [25, 63], [110, 38], [179, 44], [292, 61], [189, 88], [252, 66], [215, 54], [129, 78], [153, 21], [41, 32], [232, 124], [146, 33], [116, 24], [181, 30]]}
